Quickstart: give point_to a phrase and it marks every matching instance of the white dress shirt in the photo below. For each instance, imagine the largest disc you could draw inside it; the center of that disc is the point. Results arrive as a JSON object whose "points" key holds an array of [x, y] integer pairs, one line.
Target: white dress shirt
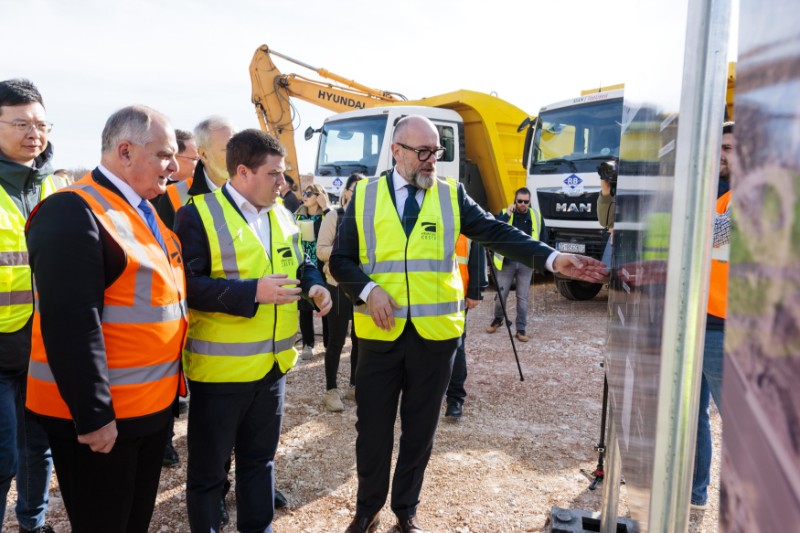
{"points": [[257, 219], [211, 185], [126, 190]]}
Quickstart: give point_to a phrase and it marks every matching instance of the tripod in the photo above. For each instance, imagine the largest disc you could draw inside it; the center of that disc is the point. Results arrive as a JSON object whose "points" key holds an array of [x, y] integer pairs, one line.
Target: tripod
{"points": [[490, 261], [597, 474]]}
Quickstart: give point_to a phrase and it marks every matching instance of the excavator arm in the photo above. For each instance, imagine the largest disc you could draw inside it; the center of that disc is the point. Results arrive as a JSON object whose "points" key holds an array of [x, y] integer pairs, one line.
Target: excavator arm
{"points": [[273, 91]]}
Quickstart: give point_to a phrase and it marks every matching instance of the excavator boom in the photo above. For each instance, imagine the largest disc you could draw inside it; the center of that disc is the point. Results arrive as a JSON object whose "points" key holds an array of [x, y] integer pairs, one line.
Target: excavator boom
{"points": [[273, 91]]}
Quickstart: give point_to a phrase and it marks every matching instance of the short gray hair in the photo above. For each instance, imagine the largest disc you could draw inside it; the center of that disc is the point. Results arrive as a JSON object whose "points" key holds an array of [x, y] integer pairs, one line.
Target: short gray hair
{"points": [[130, 123], [202, 132]]}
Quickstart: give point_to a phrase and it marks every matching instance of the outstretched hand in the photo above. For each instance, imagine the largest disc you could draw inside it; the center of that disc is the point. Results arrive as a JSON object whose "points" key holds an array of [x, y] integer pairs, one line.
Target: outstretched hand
{"points": [[272, 289], [580, 267], [381, 308]]}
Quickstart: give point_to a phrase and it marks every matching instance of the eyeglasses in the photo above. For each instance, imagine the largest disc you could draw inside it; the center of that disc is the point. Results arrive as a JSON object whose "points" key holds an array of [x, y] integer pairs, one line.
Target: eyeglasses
{"points": [[525, 202], [25, 127], [424, 153], [309, 194]]}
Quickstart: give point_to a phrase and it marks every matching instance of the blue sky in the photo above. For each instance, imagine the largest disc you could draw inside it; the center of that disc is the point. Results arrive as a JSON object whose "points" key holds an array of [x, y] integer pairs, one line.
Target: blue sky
{"points": [[189, 59]]}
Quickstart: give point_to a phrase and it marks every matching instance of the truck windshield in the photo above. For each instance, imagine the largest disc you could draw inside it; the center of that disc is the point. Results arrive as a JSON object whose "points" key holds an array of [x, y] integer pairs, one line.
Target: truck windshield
{"points": [[351, 145], [575, 138]]}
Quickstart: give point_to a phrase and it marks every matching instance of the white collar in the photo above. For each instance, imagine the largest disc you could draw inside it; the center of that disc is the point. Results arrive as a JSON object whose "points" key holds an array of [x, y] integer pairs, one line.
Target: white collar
{"points": [[126, 190], [243, 203]]}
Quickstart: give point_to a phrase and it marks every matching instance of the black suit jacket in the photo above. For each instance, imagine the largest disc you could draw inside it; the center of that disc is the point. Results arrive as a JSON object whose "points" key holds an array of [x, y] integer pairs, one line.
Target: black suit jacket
{"points": [[74, 260], [164, 206], [232, 296], [476, 224]]}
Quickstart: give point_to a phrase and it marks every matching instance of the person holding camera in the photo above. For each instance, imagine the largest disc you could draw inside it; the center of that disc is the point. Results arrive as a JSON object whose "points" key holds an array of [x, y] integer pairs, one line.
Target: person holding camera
{"points": [[606, 202]]}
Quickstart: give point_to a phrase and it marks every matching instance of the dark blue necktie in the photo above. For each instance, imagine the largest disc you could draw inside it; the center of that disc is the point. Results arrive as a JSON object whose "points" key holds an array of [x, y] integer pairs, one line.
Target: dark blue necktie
{"points": [[410, 210], [150, 218]]}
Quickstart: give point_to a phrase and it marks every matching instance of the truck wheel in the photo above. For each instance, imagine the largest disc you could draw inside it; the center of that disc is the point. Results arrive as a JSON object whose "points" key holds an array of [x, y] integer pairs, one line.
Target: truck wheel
{"points": [[577, 290]]}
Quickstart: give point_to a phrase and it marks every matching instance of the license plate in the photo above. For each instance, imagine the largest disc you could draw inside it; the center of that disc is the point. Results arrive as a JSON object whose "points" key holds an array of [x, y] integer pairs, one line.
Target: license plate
{"points": [[571, 247]]}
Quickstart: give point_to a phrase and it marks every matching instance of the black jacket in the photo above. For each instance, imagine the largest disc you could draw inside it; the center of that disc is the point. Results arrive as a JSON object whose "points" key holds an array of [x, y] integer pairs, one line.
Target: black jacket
{"points": [[164, 206], [232, 296], [525, 224], [73, 264], [23, 184]]}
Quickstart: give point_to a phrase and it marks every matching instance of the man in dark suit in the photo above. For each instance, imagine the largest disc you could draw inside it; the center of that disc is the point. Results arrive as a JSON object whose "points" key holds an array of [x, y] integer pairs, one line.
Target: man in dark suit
{"points": [[108, 326], [211, 136], [395, 258], [243, 303]]}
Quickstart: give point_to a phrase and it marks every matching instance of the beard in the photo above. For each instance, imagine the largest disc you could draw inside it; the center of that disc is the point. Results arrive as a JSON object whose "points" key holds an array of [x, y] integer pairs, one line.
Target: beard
{"points": [[421, 181]]}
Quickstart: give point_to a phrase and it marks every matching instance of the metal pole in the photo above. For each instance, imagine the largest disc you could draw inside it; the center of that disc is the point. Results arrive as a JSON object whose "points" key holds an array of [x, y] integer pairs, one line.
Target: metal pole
{"points": [[490, 261], [613, 477], [696, 165]]}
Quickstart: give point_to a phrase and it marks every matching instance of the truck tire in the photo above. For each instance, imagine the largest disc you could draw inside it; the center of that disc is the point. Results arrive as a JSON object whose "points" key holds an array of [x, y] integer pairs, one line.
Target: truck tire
{"points": [[577, 290]]}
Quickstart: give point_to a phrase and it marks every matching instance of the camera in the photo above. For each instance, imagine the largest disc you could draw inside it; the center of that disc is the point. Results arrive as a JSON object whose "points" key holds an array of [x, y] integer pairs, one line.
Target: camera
{"points": [[608, 171]]}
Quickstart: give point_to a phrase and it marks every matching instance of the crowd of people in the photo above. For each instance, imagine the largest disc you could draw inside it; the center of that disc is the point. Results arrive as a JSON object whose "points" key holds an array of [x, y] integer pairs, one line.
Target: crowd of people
{"points": [[192, 263]]}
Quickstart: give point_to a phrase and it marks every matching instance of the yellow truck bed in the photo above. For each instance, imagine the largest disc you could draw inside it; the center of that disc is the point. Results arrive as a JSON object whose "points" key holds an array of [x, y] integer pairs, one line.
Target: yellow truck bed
{"points": [[492, 140]]}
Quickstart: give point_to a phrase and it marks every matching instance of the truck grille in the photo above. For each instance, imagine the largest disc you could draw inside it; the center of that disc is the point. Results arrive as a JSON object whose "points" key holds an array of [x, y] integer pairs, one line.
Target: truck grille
{"points": [[558, 206]]}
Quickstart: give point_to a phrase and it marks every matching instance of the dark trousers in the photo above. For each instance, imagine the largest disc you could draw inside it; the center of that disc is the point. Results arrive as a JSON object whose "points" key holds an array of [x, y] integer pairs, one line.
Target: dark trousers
{"points": [[338, 320], [456, 393], [109, 492], [306, 318], [420, 370], [249, 423]]}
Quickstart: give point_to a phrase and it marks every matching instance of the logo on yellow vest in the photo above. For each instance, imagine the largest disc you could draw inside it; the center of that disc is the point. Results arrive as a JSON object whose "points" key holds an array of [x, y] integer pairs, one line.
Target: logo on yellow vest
{"points": [[428, 231]]}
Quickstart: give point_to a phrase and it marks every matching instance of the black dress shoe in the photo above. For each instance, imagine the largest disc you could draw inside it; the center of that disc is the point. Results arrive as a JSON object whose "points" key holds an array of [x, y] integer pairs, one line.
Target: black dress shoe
{"points": [[280, 500], [171, 458], [363, 524], [409, 525], [224, 517], [453, 410]]}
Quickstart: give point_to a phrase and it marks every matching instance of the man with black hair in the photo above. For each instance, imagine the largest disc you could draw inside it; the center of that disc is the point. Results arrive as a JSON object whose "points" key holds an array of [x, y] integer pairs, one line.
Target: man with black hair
{"points": [[25, 178], [243, 295]]}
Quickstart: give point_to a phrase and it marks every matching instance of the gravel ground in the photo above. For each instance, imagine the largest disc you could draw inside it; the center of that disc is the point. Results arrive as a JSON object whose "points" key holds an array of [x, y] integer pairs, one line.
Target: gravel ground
{"points": [[517, 452]]}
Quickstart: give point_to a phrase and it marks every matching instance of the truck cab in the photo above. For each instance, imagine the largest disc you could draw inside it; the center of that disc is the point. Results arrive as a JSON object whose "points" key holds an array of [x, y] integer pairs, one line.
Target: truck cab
{"points": [[566, 144]]}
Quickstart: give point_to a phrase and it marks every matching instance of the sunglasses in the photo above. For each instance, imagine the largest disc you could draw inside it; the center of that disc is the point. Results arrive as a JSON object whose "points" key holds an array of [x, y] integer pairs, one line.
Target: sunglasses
{"points": [[309, 194], [524, 202]]}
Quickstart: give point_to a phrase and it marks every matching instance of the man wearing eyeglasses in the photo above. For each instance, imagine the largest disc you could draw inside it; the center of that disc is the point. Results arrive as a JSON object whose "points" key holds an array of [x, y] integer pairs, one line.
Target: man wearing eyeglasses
{"points": [[181, 181], [530, 222], [395, 259], [207, 160], [25, 178]]}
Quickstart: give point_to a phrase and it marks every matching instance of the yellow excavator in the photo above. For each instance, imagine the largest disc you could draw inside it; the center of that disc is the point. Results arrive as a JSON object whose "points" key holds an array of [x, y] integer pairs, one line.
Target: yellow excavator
{"points": [[273, 91], [479, 131]]}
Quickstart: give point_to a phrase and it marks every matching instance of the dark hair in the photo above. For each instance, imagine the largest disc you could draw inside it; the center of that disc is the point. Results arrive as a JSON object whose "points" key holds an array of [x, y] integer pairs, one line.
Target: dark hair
{"points": [[727, 127], [181, 136], [354, 177], [522, 190], [288, 179], [19, 92], [251, 148]]}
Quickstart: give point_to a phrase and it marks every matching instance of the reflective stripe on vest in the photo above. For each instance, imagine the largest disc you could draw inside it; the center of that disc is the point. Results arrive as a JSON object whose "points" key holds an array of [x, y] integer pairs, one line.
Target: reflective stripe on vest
{"points": [[718, 284], [16, 293], [227, 348], [463, 245], [419, 271], [536, 222], [178, 193], [144, 318]]}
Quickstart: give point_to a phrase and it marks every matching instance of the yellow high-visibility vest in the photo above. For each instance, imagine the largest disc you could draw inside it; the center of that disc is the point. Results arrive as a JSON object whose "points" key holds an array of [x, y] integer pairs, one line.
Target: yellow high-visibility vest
{"points": [[419, 271], [536, 223], [16, 292], [224, 348]]}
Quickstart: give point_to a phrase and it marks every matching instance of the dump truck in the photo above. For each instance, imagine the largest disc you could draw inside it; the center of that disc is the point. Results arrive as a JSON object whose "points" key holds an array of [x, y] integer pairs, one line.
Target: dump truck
{"points": [[479, 131]]}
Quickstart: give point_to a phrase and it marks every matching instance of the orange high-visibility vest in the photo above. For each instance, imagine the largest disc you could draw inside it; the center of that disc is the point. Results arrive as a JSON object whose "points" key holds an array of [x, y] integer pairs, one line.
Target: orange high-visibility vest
{"points": [[718, 288], [144, 317], [462, 258], [178, 193]]}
